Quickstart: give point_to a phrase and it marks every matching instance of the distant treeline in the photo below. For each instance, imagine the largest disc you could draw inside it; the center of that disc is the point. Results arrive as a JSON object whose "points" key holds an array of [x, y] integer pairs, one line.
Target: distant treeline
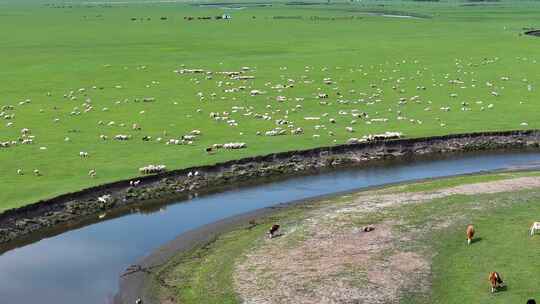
{"points": [[287, 17], [316, 18], [305, 3]]}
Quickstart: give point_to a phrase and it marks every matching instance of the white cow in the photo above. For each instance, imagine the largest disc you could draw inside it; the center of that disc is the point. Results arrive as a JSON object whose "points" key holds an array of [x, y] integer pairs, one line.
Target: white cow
{"points": [[534, 228]]}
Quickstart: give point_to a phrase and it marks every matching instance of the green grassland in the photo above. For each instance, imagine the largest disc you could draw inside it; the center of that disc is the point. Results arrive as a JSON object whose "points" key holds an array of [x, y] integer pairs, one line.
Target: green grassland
{"points": [[505, 247], [459, 272], [61, 48]]}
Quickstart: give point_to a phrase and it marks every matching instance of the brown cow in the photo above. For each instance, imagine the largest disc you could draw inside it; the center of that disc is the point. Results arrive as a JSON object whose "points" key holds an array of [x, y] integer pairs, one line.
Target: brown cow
{"points": [[470, 233], [495, 280], [273, 230]]}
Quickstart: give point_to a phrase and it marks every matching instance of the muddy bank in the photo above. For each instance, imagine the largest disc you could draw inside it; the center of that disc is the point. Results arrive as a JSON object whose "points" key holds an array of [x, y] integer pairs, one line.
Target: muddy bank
{"points": [[176, 184]]}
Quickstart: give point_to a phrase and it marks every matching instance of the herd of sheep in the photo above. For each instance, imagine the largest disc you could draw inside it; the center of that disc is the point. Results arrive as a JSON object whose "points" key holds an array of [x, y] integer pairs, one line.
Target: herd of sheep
{"points": [[333, 105]]}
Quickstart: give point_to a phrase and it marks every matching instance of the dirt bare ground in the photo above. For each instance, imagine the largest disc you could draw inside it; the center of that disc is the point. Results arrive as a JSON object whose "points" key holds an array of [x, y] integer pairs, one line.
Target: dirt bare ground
{"points": [[328, 258]]}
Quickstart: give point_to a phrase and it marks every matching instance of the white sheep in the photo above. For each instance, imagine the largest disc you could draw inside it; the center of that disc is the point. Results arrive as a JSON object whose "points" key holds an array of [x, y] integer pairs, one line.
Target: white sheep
{"points": [[104, 198], [150, 169]]}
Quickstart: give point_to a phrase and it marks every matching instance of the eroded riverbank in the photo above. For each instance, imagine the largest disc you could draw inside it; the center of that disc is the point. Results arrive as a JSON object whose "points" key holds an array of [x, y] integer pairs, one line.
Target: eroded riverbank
{"points": [[180, 184]]}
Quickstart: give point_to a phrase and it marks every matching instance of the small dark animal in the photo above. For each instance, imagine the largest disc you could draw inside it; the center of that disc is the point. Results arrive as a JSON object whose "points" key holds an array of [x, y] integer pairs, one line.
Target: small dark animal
{"points": [[209, 150], [273, 230], [368, 228]]}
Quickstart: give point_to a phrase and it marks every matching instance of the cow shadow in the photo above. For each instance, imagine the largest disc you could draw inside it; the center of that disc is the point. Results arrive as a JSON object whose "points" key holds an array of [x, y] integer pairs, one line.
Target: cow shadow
{"points": [[502, 288], [476, 240], [277, 235]]}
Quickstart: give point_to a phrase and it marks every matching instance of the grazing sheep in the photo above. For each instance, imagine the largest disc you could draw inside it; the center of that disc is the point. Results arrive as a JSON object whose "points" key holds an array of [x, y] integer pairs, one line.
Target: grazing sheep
{"points": [[152, 169], [92, 173], [20, 172], [322, 95], [37, 172], [297, 131], [104, 198], [122, 137], [233, 145], [83, 154], [193, 174]]}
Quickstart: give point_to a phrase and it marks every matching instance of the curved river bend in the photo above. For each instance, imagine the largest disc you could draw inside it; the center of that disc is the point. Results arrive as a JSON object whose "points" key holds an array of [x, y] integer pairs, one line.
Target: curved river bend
{"points": [[83, 266]]}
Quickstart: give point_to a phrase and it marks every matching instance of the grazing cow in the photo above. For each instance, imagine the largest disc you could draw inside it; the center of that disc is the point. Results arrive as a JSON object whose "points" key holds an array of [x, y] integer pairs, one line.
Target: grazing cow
{"points": [[495, 280], [534, 228], [470, 233], [368, 228], [273, 231]]}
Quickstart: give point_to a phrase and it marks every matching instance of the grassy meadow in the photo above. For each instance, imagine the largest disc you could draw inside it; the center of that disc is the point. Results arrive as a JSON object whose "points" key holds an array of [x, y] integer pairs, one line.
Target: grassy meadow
{"points": [[69, 70], [458, 273]]}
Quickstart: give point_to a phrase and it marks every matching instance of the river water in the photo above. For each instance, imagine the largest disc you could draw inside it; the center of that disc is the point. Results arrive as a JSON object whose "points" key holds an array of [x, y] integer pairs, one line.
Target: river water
{"points": [[82, 266]]}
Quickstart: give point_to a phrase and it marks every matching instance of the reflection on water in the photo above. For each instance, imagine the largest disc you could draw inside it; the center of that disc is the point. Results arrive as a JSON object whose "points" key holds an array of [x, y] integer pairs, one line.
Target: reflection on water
{"points": [[83, 265]]}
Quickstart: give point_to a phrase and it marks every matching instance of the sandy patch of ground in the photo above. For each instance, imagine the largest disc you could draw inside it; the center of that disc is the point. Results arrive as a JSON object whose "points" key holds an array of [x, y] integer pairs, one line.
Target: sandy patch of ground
{"points": [[328, 259]]}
